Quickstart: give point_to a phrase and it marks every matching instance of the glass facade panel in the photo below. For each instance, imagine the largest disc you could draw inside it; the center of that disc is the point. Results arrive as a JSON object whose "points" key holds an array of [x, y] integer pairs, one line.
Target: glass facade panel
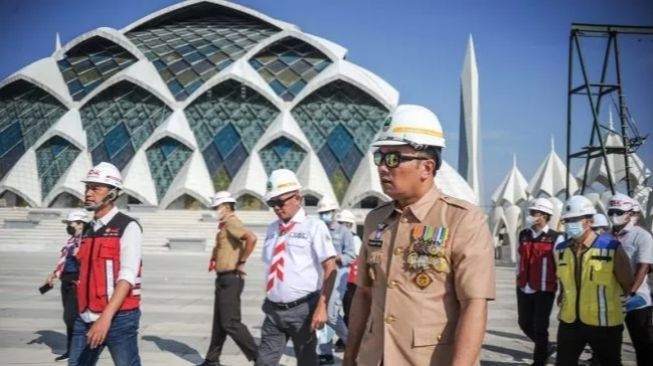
{"points": [[166, 158], [281, 153], [91, 62], [283, 66], [227, 120], [340, 122], [53, 159], [203, 33], [119, 120], [26, 112]]}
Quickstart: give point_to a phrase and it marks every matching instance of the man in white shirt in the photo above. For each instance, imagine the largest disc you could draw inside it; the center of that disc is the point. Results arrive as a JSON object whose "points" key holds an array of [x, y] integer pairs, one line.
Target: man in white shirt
{"points": [[638, 245], [108, 294], [300, 267]]}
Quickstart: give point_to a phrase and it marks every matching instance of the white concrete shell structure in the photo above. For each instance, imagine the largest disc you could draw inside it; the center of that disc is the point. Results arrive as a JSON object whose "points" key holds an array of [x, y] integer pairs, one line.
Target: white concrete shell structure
{"points": [[201, 96], [508, 201], [469, 154]]}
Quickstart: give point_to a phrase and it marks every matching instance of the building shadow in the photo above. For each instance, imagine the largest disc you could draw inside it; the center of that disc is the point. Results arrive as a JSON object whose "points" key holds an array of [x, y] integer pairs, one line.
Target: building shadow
{"points": [[177, 348], [517, 355], [54, 340], [499, 333]]}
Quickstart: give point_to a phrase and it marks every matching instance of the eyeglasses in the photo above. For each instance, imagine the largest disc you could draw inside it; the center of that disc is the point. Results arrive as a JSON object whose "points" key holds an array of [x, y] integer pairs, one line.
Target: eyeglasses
{"points": [[615, 211], [278, 202], [392, 159]]}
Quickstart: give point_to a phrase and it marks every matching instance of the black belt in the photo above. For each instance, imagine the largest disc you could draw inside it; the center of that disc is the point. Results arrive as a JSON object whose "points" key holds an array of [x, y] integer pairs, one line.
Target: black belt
{"points": [[226, 273], [292, 304]]}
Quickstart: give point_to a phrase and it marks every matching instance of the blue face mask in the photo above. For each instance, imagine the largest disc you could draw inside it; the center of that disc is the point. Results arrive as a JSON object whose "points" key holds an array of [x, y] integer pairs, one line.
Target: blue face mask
{"points": [[574, 229], [326, 217]]}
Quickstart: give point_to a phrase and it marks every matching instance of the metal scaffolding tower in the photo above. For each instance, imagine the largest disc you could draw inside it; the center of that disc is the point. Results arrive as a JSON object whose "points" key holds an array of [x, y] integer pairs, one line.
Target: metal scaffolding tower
{"points": [[595, 91]]}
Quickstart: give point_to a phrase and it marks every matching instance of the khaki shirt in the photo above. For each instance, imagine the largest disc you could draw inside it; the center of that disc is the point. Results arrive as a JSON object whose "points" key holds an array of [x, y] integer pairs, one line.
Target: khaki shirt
{"points": [[228, 244], [416, 325]]}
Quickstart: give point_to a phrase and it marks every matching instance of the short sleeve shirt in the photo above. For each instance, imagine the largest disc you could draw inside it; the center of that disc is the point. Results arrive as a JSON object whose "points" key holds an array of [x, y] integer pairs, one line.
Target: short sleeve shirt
{"points": [[308, 244], [228, 244], [415, 323], [638, 245]]}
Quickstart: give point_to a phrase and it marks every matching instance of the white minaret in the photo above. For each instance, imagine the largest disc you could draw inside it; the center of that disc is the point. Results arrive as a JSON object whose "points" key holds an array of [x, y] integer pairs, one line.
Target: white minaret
{"points": [[468, 153]]}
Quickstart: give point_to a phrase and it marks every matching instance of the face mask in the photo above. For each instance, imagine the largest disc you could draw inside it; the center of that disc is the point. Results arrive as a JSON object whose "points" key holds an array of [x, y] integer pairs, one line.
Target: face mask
{"points": [[618, 220], [326, 217], [70, 230], [574, 229], [530, 220], [219, 214]]}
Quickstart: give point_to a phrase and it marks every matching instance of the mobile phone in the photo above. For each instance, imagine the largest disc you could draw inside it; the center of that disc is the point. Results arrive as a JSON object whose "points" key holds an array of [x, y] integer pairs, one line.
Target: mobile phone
{"points": [[45, 288]]}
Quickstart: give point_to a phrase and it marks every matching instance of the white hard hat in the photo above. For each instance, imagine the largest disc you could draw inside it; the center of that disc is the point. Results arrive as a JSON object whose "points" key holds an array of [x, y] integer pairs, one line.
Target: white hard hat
{"points": [[76, 215], [222, 197], [577, 206], [411, 125], [104, 173], [600, 221], [542, 205], [620, 202], [327, 204], [281, 181], [637, 207], [346, 216]]}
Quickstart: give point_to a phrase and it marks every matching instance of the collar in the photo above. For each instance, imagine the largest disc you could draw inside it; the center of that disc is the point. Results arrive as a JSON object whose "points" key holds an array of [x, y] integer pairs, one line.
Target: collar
{"points": [[299, 217], [544, 230], [422, 207], [589, 240], [104, 220]]}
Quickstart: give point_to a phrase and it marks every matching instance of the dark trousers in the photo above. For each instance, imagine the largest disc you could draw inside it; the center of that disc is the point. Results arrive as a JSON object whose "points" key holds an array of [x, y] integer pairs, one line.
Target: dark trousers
{"points": [[533, 317], [604, 341], [282, 324], [227, 319], [346, 301], [69, 302], [640, 327]]}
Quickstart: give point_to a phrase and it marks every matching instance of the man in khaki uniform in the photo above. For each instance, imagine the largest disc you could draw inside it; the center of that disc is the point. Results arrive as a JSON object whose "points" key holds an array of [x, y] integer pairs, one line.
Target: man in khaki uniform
{"points": [[233, 245], [426, 265]]}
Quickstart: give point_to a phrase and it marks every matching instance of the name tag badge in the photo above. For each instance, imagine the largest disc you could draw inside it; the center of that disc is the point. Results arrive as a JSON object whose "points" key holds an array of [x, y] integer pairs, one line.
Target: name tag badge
{"points": [[378, 234]]}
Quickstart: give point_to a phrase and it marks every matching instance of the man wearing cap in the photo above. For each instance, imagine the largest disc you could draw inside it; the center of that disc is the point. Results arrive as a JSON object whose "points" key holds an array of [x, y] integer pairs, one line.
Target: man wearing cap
{"points": [[233, 245], [343, 242], [109, 290], [594, 273], [67, 270], [300, 265], [536, 277], [600, 224], [426, 267], [638, 245]]}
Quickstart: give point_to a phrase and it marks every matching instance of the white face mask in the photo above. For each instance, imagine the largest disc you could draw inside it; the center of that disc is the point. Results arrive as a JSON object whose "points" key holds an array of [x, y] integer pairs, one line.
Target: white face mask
{"points": [[530, 220], [619, 220]]}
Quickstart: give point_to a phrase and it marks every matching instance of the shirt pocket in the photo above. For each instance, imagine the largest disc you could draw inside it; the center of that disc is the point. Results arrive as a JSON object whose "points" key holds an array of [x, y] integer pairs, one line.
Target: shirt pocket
{"points": [[432, 335], [601, 270], [109, 250]]}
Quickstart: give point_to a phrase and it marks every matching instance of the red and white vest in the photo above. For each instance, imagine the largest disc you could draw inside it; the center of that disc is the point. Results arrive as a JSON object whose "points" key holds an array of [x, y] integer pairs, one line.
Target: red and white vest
{"points": [[536, 263], [99, 256]]}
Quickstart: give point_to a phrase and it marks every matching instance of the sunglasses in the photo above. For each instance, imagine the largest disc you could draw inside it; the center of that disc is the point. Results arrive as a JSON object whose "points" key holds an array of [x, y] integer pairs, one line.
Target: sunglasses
{"points": [[392, 159], [614, 211], [278, 202]]}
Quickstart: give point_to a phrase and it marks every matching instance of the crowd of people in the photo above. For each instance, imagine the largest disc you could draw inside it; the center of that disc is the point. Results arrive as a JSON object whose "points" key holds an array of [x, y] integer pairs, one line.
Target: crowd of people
{"points": [[413, 290]]}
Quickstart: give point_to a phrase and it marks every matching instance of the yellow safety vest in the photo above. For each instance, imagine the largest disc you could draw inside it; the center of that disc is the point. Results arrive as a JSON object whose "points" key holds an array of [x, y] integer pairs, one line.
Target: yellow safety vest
{"points": [[597, 302]]}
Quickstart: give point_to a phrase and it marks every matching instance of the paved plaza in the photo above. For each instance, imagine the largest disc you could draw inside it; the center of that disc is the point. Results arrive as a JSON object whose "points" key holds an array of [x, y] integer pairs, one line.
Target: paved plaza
{"points": [[177, 310]]}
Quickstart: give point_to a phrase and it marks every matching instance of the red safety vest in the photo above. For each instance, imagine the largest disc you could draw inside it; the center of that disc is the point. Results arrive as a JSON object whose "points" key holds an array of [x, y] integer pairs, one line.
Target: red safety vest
{"points": [[99, 257], [536, 264]]}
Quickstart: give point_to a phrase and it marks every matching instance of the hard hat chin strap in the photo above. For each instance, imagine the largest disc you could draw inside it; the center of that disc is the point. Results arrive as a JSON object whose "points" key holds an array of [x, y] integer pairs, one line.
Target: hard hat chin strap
{"points": [[110, 197]]}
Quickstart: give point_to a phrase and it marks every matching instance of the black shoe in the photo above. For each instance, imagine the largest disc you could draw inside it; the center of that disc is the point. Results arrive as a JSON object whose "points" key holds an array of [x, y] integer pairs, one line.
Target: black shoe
{"points": [[326, 360], [65, 356], [340, 346]]}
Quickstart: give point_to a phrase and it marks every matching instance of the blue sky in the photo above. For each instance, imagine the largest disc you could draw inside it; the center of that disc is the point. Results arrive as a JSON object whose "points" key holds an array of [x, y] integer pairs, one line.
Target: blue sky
{"points": [[418, 46]]}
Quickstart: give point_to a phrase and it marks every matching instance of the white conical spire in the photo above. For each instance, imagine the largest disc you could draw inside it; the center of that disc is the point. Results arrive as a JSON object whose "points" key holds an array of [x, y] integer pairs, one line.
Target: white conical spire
{"points": [[513, 189], [597, 171], [57, 42], [550, 178], [468, 153]]}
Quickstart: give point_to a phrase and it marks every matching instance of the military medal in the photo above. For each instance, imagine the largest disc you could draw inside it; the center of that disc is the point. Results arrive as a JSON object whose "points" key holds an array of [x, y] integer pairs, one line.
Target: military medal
{"points": [[422, 280]]}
